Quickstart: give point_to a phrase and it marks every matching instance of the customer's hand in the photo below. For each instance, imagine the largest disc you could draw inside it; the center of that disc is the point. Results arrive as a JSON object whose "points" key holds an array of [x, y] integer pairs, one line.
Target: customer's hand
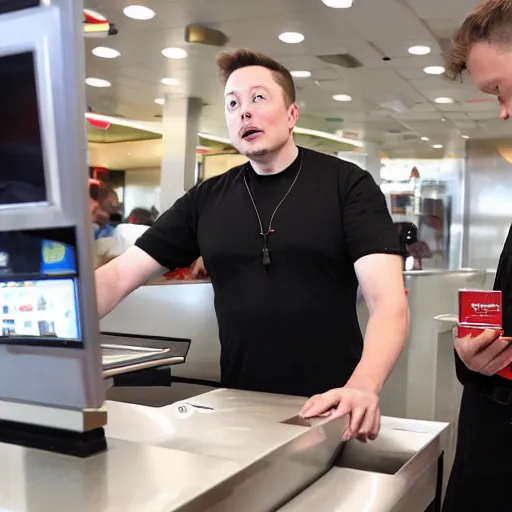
{"points": [[362, 405], [486, 353], [198, 269]]}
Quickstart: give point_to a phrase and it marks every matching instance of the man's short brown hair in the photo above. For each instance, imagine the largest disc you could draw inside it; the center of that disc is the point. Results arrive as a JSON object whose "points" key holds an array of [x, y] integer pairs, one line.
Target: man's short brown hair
{"points": [[489, 22], [229, 62]]}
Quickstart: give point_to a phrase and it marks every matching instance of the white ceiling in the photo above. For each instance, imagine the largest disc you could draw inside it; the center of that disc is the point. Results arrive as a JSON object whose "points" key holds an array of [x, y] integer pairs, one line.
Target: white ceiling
{"points": [[369, 30]]}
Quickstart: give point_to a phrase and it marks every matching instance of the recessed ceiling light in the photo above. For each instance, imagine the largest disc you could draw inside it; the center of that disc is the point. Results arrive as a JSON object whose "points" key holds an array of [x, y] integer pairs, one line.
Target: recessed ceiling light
{"points": [[437, 146], [301, 74], [174, 53], [342, 97], [434, 70], [97, 82], [105, 53], [138, 12], [159, 101], [170, 81], [465, 137], [420, 50], [291, 37], [338, 4], [444, 101], [425, 138]]}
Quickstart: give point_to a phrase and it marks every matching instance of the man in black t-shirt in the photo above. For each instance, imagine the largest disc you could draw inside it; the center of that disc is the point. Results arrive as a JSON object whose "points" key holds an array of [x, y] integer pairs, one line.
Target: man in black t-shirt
{"points": [[285, 240], [482, 469]]}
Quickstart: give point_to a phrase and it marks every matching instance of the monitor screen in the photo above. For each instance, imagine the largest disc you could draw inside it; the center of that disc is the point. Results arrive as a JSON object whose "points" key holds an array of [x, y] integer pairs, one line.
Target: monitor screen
{"points": [[36, 310], [22, 177]]}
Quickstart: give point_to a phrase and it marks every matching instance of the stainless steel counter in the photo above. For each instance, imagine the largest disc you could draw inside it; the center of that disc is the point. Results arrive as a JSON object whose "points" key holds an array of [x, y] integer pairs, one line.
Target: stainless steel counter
{"points": [[222, 451]]}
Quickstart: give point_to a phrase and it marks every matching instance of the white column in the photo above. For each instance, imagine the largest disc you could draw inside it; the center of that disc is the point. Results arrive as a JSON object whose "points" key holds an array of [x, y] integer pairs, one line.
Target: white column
{"points": [[373, 163], [180, 127]]}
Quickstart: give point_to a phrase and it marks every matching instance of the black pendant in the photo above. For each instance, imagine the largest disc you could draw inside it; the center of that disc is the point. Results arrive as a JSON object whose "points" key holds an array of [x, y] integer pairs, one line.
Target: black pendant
{"points": [[266, 258]]}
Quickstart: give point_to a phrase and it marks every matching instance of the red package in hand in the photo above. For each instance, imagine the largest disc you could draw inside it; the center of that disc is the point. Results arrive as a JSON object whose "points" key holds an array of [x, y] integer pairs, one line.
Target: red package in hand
{"points": [[480, 307]]}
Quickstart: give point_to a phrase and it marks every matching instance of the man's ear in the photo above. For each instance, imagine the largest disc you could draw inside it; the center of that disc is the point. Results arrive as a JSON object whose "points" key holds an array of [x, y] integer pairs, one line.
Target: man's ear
{"points": [[293, 115]]}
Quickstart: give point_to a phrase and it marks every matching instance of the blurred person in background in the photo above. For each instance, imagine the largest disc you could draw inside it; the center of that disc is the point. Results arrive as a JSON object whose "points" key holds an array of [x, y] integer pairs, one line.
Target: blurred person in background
{"points": [[482, 470], [141, 216], [108, 207], [285, 238]]}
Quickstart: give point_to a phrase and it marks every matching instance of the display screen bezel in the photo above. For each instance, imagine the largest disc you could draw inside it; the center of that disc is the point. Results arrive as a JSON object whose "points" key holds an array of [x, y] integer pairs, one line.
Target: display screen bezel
{"points": [[43, 341]]}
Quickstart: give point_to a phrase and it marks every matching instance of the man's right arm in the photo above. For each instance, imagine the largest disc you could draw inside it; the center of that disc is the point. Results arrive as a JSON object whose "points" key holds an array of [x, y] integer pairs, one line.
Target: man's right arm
{"points": [[123, 275]]}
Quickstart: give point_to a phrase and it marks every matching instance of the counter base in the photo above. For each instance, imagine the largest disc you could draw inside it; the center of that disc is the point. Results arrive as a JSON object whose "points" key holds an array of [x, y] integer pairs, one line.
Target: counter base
{"points": [[66, 442]]}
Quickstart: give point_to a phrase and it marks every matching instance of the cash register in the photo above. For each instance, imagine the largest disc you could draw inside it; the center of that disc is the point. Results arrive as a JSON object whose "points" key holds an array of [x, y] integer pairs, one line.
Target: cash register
{"points": [[53, 367]]}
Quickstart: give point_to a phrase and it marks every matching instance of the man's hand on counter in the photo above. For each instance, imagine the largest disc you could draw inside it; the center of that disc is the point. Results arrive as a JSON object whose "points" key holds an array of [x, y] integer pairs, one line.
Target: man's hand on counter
{"points": [[361, 404]]}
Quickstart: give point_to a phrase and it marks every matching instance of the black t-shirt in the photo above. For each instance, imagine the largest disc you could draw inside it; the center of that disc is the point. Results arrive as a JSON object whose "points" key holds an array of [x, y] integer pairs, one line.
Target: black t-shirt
{"points": [[294, 329], [502, 282]]}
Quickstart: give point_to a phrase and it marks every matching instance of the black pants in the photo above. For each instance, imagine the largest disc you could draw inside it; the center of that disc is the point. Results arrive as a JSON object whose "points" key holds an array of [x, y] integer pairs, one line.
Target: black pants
{"points": [[481, 478]]}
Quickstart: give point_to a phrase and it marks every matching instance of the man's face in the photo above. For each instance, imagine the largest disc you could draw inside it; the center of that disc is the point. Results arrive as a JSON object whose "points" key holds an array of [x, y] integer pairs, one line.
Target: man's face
{"points": [[490, 67], [258, 118]]}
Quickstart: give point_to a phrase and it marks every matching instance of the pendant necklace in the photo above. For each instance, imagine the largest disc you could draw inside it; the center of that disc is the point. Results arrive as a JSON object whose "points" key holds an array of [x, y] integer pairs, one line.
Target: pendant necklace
{"points": [[265, 234]]}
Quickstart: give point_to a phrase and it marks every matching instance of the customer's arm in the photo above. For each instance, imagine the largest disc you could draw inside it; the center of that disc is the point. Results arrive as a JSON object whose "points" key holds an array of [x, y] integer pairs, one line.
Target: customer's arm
{"points": [[120, 277], [381, 281]]}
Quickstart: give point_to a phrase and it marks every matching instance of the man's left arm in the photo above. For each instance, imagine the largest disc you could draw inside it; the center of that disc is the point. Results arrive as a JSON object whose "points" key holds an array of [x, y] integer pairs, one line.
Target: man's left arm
{"points": [[381, 281], [372, 242]]}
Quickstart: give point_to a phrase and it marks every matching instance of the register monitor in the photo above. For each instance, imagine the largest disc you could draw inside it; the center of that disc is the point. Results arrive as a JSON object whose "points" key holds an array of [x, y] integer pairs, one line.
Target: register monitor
{"points": [[49, 340]]}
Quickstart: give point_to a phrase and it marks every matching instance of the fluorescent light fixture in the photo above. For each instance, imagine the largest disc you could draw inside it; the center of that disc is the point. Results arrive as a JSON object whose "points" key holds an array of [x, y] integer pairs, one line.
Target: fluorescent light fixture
{"points": [[105, 53], [465, 137], [300, 74], [291, 37], [425, 138], [97, 82], [299, 131], [328, 136], [434, 70], [342, 97], [338, 4], [420, 50], [214, 138], [170, 81], [159, 101], [174, 53], [444, 100], [138, 12], [437, 146]]}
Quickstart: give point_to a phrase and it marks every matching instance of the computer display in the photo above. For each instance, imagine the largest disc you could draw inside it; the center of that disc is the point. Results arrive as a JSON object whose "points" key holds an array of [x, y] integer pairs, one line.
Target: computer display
{"points": [[39, 289], [22, 179], [31, 310]]}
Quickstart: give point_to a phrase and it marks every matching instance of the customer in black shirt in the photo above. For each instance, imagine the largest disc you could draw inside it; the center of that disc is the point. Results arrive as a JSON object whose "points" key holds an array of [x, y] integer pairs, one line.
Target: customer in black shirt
{"points": [[285, 239], [482, 470]]}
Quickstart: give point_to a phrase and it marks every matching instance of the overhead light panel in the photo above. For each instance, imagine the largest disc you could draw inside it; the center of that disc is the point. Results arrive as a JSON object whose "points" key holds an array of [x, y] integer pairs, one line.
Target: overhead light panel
{"points": [[291, 37], [338, 4], [170, 81], [437, 146], [97, 82], [139, 12], [342, 97], [300, 74], [105, 53], [444, 100], [465, 137], [175, 53], [434, 70], [159, 101], [420, 50], [425, 138]]}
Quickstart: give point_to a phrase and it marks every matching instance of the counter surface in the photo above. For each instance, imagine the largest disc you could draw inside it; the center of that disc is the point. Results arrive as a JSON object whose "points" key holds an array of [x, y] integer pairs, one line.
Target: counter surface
{"points": [[215, 453]]}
